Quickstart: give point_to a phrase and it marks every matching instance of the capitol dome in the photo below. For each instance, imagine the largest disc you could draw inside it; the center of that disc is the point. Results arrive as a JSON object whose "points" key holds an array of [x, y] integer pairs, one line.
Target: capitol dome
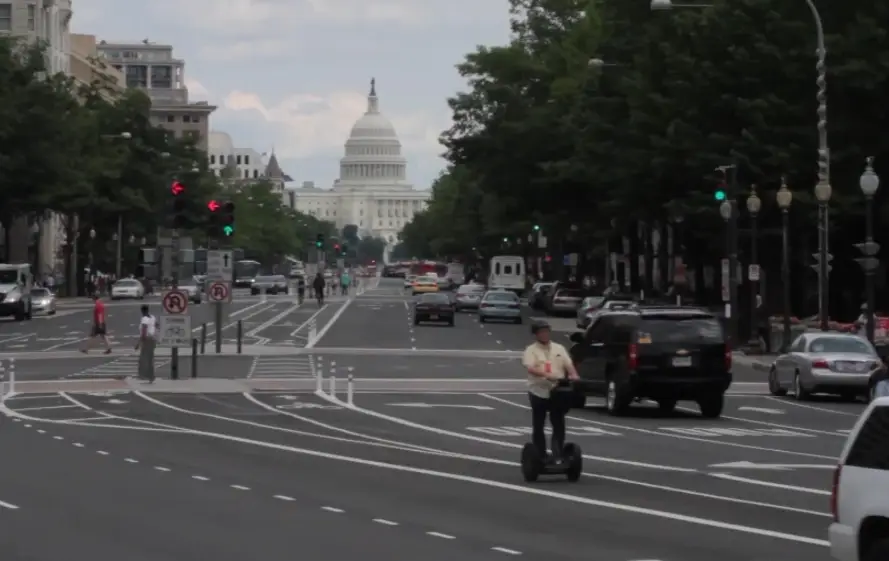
{"points": [[373, 151]]}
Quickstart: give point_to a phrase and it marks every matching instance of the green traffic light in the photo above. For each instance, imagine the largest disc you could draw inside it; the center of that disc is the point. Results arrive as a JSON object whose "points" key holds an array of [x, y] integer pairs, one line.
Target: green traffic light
{"points": [[228, 230], [719, 195], [318, 244], [536, 228]]}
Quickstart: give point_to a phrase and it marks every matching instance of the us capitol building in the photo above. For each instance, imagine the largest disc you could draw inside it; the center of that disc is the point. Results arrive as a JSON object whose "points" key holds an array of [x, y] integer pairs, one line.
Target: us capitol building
{"points": [[372, 191]]}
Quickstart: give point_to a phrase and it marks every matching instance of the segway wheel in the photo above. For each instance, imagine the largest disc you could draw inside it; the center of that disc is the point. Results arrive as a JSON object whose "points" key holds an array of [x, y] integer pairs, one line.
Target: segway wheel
{"points": [[532, 464], [574, 456]]}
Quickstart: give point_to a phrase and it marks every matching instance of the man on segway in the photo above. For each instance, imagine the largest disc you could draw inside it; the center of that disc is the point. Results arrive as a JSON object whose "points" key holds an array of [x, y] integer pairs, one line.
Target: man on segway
{"points": [[549, 367]]}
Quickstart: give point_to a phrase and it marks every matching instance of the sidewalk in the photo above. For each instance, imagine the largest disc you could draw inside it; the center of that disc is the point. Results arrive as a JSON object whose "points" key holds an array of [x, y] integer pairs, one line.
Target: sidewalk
{"points": [[761, 363]]}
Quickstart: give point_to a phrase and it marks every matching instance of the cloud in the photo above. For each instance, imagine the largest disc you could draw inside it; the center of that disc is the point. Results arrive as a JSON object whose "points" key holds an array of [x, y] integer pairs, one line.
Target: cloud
{"points": [[310, 124], [196, 90]]}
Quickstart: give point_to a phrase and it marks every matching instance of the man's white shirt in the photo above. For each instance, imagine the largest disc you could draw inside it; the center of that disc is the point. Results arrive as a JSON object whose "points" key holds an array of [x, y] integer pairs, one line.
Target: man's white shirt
{"points": [[150, 325]]}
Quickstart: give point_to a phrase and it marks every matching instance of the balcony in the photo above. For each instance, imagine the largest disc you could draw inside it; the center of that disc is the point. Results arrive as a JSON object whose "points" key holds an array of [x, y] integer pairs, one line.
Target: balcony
{"points": [[173, 96]]}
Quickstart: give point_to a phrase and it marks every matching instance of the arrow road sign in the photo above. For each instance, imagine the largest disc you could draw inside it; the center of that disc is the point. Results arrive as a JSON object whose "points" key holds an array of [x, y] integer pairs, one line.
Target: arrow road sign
{"points": [[431, 405], [219, 292], [175, 302], [780, 467], [219, 265]]}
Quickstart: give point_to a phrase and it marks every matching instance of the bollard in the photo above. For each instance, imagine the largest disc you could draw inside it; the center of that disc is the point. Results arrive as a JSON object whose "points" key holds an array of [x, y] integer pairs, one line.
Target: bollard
{"points": [[203, 338], [10, 385], [264, 297], [350, 391], [333, 386], [194, 358], [313, 333], [240, 336], [2, 381], [319, 377]]}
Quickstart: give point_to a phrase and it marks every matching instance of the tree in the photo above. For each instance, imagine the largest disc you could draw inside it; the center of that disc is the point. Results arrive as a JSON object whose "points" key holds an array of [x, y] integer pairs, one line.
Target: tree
{"points": [[350, 234], [370, 249]]}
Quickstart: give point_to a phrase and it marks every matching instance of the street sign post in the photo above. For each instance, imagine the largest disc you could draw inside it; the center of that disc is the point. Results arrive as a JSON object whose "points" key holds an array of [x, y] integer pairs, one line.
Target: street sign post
{"points": [[175, 302], [219, 291], [175, 331], [220, 265]]}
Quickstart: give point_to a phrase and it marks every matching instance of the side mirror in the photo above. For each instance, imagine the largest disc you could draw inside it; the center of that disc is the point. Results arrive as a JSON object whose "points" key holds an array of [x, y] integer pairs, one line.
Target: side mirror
{"points": [[576, 337]]}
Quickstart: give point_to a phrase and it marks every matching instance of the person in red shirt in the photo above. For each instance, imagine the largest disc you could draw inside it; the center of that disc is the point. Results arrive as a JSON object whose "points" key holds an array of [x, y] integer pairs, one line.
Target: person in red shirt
{"points": [[99, 330]]}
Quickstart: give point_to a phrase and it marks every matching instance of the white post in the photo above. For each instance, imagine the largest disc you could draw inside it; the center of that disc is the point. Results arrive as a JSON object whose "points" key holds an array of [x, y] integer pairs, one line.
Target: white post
{"points": [[263, 295], [2, 380], [11, 385], [333, 386], [350, 391], [319, 376], [313, 331]]}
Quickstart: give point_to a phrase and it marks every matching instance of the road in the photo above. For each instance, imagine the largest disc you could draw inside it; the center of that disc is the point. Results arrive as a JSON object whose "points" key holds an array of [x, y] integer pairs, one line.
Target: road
{"points": [[159, 470]]}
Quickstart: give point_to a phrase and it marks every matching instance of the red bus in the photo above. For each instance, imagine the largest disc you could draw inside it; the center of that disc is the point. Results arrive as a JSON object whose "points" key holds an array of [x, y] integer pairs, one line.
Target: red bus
{"points": [[421, 268]]}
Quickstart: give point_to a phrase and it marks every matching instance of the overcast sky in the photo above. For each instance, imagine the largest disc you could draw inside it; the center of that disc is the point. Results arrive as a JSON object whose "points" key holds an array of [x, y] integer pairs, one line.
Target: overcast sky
{"points": [[294, 74]]}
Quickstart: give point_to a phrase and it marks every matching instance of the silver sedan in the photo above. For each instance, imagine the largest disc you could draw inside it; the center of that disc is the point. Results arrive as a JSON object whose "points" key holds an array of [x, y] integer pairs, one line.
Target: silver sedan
{"points": [[43, 301], [820, 362]]}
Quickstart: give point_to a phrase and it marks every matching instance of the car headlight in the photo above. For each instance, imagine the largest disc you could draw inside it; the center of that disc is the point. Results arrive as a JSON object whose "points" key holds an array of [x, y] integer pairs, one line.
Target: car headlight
{"points": [[12, 297]]}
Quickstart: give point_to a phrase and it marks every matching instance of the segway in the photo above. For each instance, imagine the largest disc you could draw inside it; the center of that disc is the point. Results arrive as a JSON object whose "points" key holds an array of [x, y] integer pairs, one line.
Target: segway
{"points": [[537, 462]]}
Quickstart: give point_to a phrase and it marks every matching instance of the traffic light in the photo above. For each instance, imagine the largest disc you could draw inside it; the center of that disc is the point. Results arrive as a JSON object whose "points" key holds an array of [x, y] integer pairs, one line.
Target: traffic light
{"points": [[719, 195], [228, 219], [319, 241], [213, 226], [336, 248], [536, 227], [177, 189], [344, 250]]}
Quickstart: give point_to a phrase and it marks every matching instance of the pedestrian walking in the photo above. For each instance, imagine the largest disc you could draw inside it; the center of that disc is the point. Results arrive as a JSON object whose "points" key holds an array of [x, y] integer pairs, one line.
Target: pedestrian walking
{"points": [[99, 330], [146, 345], [345, 282]]}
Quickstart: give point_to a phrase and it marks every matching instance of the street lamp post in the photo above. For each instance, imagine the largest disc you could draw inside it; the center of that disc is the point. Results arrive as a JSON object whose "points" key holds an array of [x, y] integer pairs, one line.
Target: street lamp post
{"points": [[754, 204], [92, 249], [822, 194], [785, 197], [727, 211], [869, 184]]}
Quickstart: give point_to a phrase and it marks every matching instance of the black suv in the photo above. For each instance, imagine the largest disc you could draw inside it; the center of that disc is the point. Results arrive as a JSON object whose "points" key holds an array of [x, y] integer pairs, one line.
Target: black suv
{"points": [[664, 354]]}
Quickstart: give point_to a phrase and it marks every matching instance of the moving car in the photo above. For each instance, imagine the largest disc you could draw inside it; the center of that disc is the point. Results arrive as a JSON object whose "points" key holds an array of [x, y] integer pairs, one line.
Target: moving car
{"points": [[409, 281], [563, 300], [434, 306], [127, 289], [592, 305], [424, 284], [192, 289], [469, 297], [43, 301], [825, 362], [665, 354], [507, 272], [860, 496], [500, 305], [271, 284], [537, 296], [15, 291]]}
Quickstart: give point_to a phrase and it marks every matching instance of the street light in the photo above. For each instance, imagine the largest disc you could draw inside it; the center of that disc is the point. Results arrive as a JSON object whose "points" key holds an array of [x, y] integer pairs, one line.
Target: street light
{"points": [[725, 210], [754, 204], [823, 192], [869, 183], [784, 198], [126, 135]]}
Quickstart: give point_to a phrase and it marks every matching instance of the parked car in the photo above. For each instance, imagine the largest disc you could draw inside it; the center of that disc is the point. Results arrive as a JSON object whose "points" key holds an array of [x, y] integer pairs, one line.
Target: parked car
{"points": [[500, 305], [564, 301], [819, 362], [434, 306], [537, 296], [592, 305], [860, 495], [127, 288], [665, 354]]}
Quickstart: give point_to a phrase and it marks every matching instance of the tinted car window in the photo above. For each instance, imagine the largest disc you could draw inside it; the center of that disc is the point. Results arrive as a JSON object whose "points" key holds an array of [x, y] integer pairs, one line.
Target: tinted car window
{"points": [[681, 329], [839, 345], [593, 301], [127, 283], [470, 288], [40, 292], [502, 296], [435, 298], [568, 294], [870, 450]]}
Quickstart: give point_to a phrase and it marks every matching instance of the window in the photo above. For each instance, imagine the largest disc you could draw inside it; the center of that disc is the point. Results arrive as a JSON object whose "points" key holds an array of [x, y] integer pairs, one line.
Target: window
{"points": [[32, 17], [171, 118], [246, 160], [161, 76], [5, 17], [246, 174], [840, 345], [255, 173], [682, 329], [869, 450], [186, 118], [239, 159], [195, 119], [137, 76], [212, 158]]}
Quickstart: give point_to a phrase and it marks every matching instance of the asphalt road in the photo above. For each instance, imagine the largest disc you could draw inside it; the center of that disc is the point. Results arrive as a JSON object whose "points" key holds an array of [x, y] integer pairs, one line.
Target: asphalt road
{"points": [[435, 475]]}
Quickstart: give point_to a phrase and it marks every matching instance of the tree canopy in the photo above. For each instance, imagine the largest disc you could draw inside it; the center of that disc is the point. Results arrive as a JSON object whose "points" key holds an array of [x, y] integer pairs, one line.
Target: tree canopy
{"points": [[600, 117]]}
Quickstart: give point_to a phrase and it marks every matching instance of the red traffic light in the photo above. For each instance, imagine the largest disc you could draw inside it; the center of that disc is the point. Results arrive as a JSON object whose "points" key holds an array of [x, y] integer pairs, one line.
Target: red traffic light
{"points": [[177, 188], [213, 206], [336, 246]]}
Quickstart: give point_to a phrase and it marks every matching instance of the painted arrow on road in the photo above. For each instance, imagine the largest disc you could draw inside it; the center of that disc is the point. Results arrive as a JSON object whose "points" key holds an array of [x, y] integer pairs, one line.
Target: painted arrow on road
{"points": [[762, 410], [754, 465], [431, 405]]}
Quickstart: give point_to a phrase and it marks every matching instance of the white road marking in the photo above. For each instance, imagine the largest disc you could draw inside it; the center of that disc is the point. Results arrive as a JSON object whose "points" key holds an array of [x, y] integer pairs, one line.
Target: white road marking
{"points": [[10, 506], [161, 468], [813, 407], [796, 488], [440, 535], [332, 509], [284, 498], [200, 478], [385, 522], [506, 551], [240, 487]]}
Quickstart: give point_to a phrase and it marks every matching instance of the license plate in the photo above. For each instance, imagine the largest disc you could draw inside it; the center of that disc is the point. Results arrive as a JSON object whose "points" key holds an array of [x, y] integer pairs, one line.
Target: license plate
{"points": [[682, 361], [433, 316]]}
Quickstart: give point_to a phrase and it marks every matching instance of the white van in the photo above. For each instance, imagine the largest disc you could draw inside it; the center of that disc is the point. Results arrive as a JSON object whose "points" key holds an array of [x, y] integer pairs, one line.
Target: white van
{"points": [[507, 273]]}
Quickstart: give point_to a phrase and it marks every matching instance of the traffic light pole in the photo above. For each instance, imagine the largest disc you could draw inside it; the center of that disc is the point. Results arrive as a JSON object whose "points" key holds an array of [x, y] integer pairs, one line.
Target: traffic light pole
{"points": [[174, 260]]}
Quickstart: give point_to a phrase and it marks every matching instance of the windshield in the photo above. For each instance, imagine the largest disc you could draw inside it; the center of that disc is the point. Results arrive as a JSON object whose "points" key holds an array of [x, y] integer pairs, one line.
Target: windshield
{"points": [[840, 345], [620, 305], [435, 299], [568, 294], [501, 296], [425, 279], [593, 301], [126, 283], [678, 329], [40, 293], [467, 288], [9, 277], [266, 279]]}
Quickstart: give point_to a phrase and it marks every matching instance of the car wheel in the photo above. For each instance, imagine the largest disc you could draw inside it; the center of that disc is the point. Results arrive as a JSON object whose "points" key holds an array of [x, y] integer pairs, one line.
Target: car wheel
{"points": [[878, 551], [617, 401], [711, 405], [481, 319], [774, 387], [799, 392]]}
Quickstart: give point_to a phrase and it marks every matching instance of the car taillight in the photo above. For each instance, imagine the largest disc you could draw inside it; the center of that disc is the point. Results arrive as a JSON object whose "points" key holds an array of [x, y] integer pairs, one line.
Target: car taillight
{"points": [[821, 364], [633, 357], [728, 357], [835, 493], [486, 306]]}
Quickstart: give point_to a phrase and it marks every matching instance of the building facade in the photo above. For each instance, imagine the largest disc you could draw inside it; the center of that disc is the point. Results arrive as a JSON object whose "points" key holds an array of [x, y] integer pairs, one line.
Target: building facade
{"points": [[153, 68], [246, 165], [372, 191], [47, 21]]}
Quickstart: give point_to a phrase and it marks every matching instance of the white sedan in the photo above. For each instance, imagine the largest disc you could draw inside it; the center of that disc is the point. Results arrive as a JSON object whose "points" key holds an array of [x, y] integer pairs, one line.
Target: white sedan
{"points": [[127, 288]]}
